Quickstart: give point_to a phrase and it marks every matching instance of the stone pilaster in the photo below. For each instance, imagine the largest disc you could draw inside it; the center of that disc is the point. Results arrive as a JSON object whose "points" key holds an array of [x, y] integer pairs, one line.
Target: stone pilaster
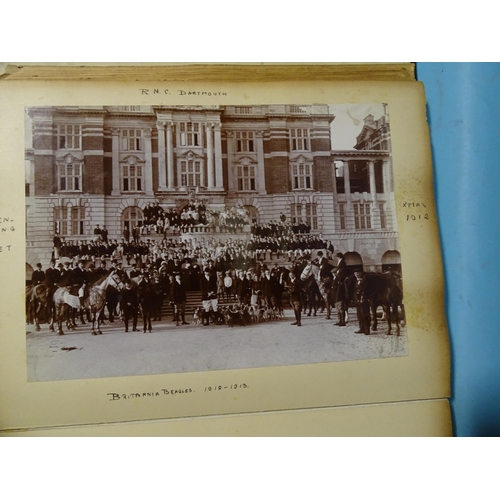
{"points": [[170, 156], [115, 134], [210, 157], [261, 175], [219, 179], [162, 181]]}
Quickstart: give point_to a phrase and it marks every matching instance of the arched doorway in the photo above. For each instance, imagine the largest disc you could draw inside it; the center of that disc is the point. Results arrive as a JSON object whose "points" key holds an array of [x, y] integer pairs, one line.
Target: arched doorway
{"points": [[391, 261], [131, 217], [29, 272], [353, 262]]}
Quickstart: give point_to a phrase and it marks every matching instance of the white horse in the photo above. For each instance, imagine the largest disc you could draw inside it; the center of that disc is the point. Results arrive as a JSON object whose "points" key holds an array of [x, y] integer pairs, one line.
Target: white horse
{"points": [[94, 301]]}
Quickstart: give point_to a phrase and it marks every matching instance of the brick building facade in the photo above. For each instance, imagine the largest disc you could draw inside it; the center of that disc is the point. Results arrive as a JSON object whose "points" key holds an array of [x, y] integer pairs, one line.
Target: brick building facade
{"points": [[90, 165]]}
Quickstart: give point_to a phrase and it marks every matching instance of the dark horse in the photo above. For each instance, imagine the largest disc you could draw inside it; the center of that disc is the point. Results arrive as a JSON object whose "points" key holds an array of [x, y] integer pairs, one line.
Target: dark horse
{"points": [[379, 289], [39, 306]]}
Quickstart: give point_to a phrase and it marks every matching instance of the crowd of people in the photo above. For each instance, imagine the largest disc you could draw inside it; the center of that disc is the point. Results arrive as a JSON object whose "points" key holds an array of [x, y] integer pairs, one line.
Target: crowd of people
{"points": [[170, 221], [254, 284], [253, 271]]}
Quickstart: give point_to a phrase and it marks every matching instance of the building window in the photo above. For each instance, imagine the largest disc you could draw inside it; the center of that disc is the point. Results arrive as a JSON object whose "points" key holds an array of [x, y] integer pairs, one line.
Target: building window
{"points": [[362, 216], [301, 176], [342, 215], [307, 212], [132, 178], [131, 140], [69, 221], [245, 142], [299, 139], [69, 136], [296, 213], [298, 109], [243, 110], [70, 177], [189, 134], [383, 217], [190, 173], [246, 178], [132, 217], [312, 215]]}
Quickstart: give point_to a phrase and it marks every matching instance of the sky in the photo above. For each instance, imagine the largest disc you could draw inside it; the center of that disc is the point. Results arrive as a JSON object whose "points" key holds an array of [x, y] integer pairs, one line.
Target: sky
{"points": [[349, 120]]}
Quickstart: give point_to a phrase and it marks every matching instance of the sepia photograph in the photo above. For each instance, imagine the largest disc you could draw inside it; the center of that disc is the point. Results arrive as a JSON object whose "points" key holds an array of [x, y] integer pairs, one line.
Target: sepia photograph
{"points": [[175, 239]]}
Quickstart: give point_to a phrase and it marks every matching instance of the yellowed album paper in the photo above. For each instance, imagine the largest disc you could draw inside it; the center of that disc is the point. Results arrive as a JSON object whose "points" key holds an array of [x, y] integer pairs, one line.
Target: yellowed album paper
{"points": [[174, 253]]}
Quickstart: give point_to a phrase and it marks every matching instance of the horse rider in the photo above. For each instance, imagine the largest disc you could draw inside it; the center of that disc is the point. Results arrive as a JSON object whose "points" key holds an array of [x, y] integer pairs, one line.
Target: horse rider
{"points": [[38, 276], [79, 278]]}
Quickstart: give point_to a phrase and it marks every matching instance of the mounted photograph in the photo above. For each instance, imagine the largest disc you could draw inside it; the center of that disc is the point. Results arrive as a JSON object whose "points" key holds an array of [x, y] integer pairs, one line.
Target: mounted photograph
{"points": [[174, 239]]}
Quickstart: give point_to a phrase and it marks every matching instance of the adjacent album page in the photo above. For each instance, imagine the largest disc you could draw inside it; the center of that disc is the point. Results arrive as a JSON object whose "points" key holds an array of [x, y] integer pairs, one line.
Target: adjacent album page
{"points": [[297, 219]]}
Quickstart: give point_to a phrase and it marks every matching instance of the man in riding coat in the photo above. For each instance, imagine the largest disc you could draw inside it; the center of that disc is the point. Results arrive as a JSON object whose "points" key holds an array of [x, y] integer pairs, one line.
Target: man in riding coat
{"points": [[78, 277], [38, 276]]}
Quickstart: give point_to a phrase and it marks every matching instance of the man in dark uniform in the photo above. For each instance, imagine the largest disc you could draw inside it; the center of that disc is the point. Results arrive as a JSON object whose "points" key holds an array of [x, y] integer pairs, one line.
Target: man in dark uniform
{"points": [[362, 304], [38, 276], [104, 234], [129, 306], [52, 275], [326, 276], [341, 268], [179, 300], [295, 291]]}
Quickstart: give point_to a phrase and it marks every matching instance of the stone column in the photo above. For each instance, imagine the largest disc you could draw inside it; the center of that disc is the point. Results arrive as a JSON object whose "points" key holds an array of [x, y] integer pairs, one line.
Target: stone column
{"points": [[261, 176], [210, 157], [231, 175], [170, 157], [373, 185], [148, 166], [386, 175], [115, 133], [162, 181], [219, 179], [347, 182]]}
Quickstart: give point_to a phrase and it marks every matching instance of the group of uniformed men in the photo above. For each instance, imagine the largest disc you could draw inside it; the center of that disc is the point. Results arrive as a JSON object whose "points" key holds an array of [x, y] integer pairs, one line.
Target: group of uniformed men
{"points": [[255, 287]]}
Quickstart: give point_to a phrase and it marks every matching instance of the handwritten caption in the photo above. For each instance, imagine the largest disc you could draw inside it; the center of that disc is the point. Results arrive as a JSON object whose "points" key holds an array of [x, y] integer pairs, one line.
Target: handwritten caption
{"points": [[412, 211], [181, 92], [115, 396], [6, 227]]}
